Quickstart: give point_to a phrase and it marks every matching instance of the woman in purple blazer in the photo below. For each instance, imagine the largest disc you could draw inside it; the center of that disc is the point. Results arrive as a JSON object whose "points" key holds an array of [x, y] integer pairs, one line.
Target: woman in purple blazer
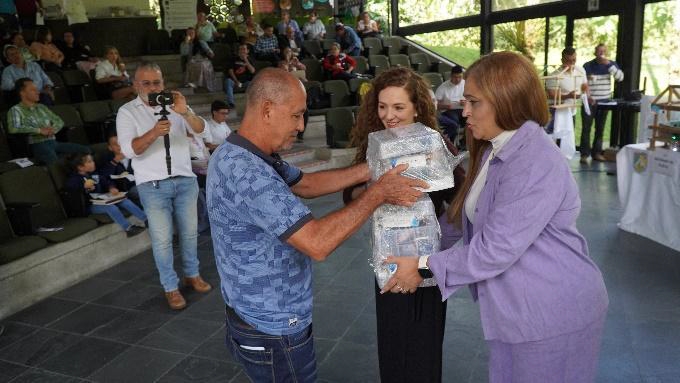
{"points": [[542, 300]]}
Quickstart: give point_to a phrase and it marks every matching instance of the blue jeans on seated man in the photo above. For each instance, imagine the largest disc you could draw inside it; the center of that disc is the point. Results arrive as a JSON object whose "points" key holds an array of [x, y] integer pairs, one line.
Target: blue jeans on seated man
{"points": [[165, 201], [451, 120], [46, 151], [271, 358], [229, 85], [116, 215]]}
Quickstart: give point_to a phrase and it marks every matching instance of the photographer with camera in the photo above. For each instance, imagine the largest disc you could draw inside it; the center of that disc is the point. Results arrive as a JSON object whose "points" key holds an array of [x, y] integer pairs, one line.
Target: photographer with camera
{"points": [[167, 186]]}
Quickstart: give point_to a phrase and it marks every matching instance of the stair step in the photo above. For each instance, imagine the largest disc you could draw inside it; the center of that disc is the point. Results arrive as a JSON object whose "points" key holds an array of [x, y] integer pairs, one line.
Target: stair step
{"points": [[315, 165], [298, 154]]}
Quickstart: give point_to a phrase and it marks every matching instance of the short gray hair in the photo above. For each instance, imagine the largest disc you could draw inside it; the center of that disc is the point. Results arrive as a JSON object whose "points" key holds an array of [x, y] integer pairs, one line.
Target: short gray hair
{"points": [[270, 84], [148, 65]]}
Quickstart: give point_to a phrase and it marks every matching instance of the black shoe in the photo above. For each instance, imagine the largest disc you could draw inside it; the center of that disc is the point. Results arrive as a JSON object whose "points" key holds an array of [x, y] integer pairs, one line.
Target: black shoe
{"points": [[134, 230], [231, 105]]}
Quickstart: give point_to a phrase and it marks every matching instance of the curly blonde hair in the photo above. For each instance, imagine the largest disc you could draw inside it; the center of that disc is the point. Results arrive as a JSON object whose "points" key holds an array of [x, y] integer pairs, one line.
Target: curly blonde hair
{"points": [[368, 121]]}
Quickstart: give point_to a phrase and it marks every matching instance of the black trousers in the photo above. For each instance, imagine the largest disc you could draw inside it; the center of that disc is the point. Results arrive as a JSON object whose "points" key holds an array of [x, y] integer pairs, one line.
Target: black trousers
{"points": [[600, 117], [410, 335]]}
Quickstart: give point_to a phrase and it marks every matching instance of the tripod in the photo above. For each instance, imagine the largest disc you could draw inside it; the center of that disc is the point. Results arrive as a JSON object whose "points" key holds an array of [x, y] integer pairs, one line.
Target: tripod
{"points": [[166, 138]]}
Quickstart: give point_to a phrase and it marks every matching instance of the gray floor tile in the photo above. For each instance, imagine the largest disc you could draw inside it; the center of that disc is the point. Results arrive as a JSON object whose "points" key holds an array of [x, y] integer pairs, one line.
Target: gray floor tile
{"points": [[14, 332], [210, 308], [215, 348], [35, 375], [181, 335], [137, 364], [132, 326], [201, 370], [89, 289], [38, 347], [130, 295], [87, 318], [9, 371], [85, 357], [45, 311], [350, 362]]}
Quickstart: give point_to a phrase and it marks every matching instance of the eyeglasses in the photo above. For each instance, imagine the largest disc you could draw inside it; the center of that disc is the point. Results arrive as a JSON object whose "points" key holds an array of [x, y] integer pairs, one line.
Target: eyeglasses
{"points": [[147, 84]]}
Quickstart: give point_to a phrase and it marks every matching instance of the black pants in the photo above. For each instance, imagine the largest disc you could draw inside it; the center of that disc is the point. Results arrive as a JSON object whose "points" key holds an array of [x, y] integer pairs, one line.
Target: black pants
{"points": [[410, 335], [600, 117]]}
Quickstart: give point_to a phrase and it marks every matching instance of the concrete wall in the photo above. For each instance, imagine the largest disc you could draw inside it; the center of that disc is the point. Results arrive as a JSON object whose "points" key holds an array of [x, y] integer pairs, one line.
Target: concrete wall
{"points": [[100, 7], [54, 268]]}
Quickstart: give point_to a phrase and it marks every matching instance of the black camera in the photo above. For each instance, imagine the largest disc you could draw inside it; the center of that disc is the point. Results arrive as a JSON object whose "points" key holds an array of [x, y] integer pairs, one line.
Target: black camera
{"points": [[163, 98]]}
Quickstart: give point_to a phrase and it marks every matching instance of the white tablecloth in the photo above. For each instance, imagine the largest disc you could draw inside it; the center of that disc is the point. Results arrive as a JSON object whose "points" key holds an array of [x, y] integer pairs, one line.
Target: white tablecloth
{"points": [[649, 190]]}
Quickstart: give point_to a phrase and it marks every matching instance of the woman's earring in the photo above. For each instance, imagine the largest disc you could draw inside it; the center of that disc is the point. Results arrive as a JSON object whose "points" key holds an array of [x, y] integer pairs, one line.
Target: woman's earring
{"points": [[415, 115]]}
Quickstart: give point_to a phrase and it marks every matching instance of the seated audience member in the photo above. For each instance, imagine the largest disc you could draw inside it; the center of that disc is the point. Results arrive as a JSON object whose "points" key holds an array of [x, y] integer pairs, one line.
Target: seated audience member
{"points": [[76, 56], [366, 27], [19, 68], [285, 23], [39, 123], [250, 31], [199, 70], [205, 30], [84, 179], [239, 74], [116, 164], [44, 48], [17, 39], [289, 62], [294, 43], [339, 66], [216, 127], [110, 73], [450, 101], [314, 28], [348, 39], [267, 45]]}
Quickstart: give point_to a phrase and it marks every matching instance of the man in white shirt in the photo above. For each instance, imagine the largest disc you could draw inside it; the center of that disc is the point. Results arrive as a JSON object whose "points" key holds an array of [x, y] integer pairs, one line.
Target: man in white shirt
{"points": [[450, 100], [567, 84], [217, 129], [166, 194], [314, 28]]}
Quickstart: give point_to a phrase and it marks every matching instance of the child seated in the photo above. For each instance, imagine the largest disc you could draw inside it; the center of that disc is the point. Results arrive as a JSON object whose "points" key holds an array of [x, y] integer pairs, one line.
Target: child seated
{"points": [[83, 178], [115, 164]]}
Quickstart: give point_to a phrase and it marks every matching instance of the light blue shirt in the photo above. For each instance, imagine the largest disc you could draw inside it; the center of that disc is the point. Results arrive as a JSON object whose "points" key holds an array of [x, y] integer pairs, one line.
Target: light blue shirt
{"points": [[252, 213], [33, 71]]}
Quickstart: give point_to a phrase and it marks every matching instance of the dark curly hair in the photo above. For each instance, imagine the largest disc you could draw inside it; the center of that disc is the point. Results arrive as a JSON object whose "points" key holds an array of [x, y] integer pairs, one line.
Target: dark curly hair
{"points": [[368, 121]]}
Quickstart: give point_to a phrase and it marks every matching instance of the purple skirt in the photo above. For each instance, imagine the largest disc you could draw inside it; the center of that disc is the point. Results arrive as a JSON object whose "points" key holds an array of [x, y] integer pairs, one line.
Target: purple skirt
{"points": [[565, 358]]}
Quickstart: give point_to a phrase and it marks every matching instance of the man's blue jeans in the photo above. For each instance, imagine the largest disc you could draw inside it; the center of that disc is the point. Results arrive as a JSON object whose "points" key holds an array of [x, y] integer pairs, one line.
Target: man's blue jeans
{"points": [[229, 89], [116, 215], [46, 151], [164, 201], [271, 358]]}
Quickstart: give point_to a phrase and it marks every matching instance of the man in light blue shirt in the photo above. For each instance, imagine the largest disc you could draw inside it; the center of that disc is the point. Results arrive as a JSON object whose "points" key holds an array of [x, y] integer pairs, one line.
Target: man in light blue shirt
{"points": [[265, 238], [20, 69]]}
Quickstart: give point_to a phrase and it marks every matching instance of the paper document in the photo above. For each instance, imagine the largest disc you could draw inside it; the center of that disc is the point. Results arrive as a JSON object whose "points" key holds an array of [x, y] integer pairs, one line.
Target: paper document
{"points": [[126, 175], [22, 162]]}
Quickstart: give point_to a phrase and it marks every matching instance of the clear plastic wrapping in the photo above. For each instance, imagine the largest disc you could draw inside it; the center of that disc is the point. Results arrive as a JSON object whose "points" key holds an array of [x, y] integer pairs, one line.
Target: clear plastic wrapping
{"points": [[420, 147], [404, 231]]}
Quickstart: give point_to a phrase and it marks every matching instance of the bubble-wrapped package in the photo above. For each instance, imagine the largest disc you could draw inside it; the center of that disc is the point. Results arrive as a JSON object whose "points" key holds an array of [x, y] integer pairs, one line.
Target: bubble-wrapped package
{"points": [[404, 231], [420, 147]]}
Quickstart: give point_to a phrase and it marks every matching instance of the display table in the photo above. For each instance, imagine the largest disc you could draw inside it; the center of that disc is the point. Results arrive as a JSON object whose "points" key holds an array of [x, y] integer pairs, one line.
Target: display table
{"points": [[649, 190]]}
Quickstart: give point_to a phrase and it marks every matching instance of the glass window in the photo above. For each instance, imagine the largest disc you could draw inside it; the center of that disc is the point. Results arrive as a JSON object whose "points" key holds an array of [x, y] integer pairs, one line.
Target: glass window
{"points": [[413, 12], [459, 45], [660, 45], [499, 5], [592, 31], [526, 37]]}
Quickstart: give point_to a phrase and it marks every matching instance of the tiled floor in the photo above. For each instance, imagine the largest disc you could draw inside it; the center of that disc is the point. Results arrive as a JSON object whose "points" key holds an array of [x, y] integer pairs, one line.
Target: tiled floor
{"points": [[115, 327]]}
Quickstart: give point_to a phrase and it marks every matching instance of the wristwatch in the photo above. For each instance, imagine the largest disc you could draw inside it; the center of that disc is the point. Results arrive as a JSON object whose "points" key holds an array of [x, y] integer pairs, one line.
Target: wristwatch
{"points": [[423, 270]]}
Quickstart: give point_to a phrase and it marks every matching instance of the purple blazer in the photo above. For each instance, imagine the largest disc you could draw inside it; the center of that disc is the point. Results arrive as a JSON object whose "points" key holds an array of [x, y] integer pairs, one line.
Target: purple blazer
{"points": [[524, 259]]}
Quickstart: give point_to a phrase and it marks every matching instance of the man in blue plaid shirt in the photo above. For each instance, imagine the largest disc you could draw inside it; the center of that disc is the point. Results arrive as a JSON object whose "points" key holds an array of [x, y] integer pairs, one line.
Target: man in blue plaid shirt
{"points": [[267, 45]]}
